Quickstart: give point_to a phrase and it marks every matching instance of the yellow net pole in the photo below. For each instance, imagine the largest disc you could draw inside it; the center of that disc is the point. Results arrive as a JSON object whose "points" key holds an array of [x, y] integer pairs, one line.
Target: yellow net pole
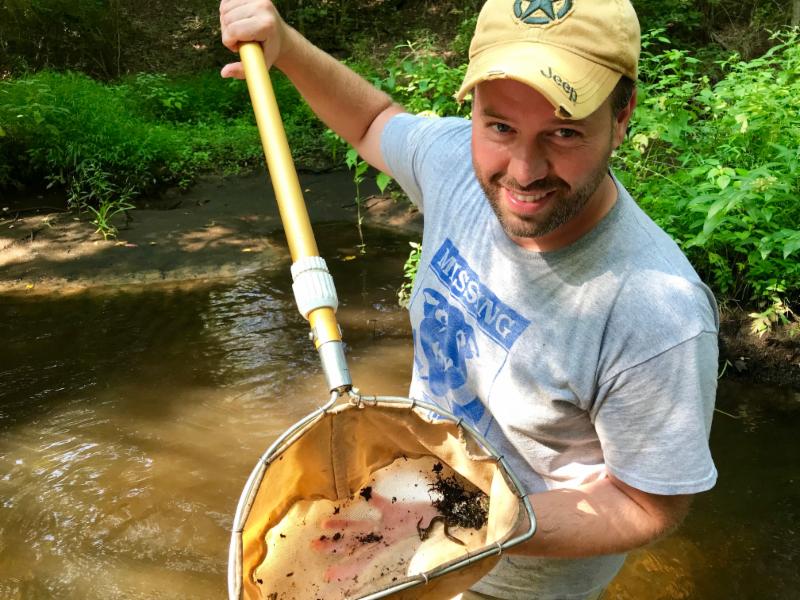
{"points": [[291, 204]]}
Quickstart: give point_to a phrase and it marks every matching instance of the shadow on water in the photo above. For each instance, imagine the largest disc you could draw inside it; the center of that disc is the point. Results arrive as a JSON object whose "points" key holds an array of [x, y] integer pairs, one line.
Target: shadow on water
{"points": [[740, 539], [129, 424]]}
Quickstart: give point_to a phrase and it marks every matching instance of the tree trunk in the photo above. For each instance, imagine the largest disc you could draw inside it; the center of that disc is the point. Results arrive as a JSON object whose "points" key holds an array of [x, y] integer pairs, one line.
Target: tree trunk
{"points": [[795, 12]]}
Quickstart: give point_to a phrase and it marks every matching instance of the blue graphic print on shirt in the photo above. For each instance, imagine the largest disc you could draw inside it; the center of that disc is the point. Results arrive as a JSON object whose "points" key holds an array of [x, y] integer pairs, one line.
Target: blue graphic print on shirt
{"points": [[498, 320], [447, 340]]}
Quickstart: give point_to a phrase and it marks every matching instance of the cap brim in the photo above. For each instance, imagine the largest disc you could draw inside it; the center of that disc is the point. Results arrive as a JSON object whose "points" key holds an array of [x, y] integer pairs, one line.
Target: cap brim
{"points": [[575, 86]]}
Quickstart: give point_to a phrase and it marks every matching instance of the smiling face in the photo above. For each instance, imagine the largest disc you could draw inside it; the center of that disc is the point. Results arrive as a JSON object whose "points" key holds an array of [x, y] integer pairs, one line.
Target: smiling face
{"points": [[546, 178]]}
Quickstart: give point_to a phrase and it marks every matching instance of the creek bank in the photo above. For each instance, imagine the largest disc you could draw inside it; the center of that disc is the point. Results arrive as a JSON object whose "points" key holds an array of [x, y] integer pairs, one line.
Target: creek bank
{"points": [[221, 228], [773, 358], [226, 227]]}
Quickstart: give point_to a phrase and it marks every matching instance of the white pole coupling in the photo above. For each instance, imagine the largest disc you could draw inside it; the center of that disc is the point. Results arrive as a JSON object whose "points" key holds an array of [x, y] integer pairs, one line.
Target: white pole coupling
{"points": [[313, 285]]}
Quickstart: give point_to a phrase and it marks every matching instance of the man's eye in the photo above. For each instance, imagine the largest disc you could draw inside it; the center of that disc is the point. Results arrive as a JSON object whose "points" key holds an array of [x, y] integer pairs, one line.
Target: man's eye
{"points": [[566, 133], [501, 127]]}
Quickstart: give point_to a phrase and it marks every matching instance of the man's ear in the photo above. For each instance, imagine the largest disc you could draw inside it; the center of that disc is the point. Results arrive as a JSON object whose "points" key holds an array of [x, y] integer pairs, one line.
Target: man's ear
{"points": [[622, 120]]}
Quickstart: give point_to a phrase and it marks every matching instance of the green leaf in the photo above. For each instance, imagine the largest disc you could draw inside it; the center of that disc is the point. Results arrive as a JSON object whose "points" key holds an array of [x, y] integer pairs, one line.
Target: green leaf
{"points": [[716, 207], [699, 170], [351, 158], [382, 180], [715, 216], [791, 246]]}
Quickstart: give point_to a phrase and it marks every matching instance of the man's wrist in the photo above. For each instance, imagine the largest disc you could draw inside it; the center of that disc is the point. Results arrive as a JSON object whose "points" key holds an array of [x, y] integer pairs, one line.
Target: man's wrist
{"points": [[290, 39]]}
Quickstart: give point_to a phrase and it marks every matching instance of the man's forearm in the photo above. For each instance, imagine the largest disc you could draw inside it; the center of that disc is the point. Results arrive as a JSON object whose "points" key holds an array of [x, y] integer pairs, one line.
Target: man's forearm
{"points": [[603, 517], [342, 99]]}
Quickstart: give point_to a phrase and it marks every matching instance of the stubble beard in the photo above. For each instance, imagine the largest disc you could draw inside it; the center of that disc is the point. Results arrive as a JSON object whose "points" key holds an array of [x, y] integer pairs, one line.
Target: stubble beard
{"points": [[565, 205]]}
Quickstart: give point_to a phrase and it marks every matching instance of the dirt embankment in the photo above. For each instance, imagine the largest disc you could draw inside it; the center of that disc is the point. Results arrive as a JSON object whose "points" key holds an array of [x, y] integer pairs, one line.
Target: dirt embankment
{"points": [[225, 228], [222, 228], [773, 358]]}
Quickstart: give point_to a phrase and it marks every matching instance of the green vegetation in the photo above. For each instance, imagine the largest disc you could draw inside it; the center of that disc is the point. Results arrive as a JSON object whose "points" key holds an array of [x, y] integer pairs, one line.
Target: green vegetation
{"points": [[417, 78], [108, 144], [716, 164], [409, 273], [359, 168]]}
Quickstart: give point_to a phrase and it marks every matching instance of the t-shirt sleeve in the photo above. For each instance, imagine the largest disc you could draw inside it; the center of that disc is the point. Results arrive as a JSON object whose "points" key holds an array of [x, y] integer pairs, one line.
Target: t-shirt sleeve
{"points": [[420, 150], [655, 419]]}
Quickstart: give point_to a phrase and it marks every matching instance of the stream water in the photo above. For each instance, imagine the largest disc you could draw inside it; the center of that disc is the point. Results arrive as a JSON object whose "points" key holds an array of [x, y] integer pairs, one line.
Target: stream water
{"points": [[130, 422]]}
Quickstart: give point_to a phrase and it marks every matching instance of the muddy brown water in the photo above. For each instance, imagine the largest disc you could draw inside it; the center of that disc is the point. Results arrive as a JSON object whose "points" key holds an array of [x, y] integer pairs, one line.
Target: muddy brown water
{"points": [[130, 422]]}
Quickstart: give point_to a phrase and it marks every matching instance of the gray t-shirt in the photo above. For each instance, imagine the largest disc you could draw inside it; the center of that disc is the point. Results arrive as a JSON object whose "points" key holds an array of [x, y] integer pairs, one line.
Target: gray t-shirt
{"points": [[598, 357]]}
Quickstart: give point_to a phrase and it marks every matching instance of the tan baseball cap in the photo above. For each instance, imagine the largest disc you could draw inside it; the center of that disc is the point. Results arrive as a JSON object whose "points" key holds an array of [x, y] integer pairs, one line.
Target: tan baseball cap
{"points": [[572, 51]]}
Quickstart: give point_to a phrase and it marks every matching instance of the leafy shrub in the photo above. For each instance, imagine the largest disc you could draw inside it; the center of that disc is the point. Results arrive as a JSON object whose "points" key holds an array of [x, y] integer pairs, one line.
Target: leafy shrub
{"points": [[65, 120], [145, 132], [716, 165], [683, 19], [410, 268], [421, 81], [200, 98], [463, 37]]}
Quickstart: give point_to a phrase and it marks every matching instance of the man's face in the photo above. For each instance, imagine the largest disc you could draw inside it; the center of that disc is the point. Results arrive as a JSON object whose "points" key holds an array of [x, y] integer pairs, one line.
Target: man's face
{"points": [[546, 178]]}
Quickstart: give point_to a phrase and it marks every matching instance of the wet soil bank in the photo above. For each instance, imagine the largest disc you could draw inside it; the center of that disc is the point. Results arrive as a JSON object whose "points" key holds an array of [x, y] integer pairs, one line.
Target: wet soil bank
{"points": [[225, 228], [221, 228], [773, 358]]}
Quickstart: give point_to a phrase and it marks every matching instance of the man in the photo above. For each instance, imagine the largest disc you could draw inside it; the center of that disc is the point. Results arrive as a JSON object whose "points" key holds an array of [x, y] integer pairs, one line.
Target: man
{"points": [[548, 308]]}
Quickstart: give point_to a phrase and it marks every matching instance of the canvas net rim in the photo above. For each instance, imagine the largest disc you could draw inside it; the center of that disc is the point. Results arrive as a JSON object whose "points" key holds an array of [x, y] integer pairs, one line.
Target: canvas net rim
{"points": [[356, 399]]}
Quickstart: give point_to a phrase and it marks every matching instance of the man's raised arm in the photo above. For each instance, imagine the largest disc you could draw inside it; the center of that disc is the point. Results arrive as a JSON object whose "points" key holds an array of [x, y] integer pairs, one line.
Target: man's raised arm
{"points": [[343, 100]]}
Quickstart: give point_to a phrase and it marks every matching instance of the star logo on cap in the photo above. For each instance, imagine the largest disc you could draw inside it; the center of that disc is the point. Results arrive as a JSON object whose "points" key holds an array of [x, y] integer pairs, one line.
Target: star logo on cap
{"points": [[540, 12]]}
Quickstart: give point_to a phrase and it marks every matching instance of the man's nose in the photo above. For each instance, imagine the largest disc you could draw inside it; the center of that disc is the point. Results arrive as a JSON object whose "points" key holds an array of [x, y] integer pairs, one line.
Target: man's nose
{"points": [[528, 165]]}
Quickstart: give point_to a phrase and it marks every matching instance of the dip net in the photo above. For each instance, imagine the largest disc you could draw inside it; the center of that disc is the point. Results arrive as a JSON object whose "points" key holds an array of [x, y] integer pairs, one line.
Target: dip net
{"points": [[374, 498]]}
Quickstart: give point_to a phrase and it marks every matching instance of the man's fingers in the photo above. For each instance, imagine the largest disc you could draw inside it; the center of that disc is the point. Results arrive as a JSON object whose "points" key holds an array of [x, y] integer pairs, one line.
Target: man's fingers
{"points": [[226, 5], [231, 10], [234, 70], [256, 28], [246, 21]]}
